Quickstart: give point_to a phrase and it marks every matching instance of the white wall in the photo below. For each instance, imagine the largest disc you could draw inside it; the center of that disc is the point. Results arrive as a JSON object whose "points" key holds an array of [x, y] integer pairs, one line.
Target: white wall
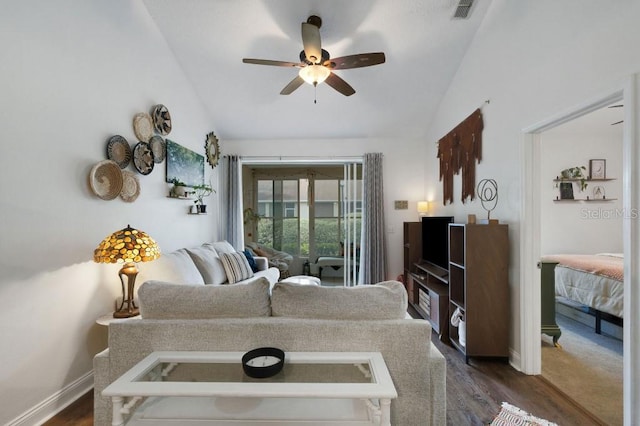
{"points": [[403, 169], [579, 227], [74, 73], [532, 60]]}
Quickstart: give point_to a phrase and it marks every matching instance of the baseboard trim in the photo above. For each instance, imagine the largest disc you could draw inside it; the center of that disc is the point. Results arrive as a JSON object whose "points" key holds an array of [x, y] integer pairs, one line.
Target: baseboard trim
{"points": [[514, 359], [57, 402]]}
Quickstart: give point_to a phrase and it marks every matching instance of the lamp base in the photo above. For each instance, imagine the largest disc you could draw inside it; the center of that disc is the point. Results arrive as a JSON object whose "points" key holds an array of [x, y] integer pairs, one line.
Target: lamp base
{"points": [[127, 308], [126, 313]]}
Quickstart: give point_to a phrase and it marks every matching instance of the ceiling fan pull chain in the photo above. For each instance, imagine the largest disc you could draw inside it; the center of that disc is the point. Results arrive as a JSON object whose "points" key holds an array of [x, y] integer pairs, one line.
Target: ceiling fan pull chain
{"points": [[315, 93]]}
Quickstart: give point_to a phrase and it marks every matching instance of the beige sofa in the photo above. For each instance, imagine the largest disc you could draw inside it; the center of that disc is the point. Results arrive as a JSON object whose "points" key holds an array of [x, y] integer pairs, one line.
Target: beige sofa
{"points": [[201, 265], [292, 317]]}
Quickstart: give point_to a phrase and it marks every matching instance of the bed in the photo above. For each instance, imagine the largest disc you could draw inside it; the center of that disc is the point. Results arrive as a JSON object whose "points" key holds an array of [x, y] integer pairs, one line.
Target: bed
{"points": [[593, 281]]}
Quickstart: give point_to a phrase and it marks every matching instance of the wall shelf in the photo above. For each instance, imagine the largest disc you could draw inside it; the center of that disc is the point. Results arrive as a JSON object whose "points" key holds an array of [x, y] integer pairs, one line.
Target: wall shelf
{"points": [[180, 198], [584, 200], [569, 190], [578, 180]]}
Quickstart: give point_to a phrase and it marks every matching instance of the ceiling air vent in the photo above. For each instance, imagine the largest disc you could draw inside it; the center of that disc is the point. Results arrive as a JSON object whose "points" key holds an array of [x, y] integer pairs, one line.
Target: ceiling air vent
{"points": [[462, 11]]}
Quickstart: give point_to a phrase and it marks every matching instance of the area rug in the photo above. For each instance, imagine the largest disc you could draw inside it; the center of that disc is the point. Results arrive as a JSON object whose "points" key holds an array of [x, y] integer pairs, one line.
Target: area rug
{"points": [[587, 368], [510, 415]]}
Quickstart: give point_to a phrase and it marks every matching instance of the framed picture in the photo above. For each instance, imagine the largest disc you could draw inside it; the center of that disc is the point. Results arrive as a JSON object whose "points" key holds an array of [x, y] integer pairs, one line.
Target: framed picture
{"points": [[401, 204], [598, 193], [597, 169], [184, 165], [566, 190]]}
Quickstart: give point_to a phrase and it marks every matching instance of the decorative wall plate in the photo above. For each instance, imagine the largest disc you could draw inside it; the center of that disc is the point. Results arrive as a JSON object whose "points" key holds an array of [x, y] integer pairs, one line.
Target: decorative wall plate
{"points": [[161, 119], [119, 150], [143, 158], [105, 179], [143, 126], [130, 186], [212, 149], [157, 145]]}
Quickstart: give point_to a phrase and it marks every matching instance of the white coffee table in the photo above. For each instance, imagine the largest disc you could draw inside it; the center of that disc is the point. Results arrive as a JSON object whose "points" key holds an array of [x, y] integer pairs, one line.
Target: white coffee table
{"points": [[210, 388]]}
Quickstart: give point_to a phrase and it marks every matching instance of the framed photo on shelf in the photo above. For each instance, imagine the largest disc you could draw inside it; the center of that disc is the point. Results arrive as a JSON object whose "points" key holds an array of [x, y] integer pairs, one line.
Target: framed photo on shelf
{"points": [[597, 169], [566, 190], [598, 193]]}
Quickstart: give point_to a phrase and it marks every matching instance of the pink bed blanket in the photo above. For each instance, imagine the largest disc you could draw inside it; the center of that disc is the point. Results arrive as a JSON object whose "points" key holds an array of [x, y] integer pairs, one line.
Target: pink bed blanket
{"points": [[607, 265]]}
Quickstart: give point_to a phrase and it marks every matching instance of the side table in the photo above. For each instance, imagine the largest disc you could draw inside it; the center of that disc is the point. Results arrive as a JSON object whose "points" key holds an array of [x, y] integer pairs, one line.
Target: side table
{"points": [[107, 319]]}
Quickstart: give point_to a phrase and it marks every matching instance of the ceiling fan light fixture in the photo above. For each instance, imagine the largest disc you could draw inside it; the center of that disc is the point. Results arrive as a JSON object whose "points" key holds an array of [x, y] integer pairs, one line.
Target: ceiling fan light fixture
{"points": [[314, 74]]}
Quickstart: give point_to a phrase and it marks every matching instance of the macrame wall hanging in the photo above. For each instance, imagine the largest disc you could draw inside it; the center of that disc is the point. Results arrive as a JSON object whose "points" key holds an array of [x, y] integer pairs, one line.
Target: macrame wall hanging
{"points": [[458, 152]]}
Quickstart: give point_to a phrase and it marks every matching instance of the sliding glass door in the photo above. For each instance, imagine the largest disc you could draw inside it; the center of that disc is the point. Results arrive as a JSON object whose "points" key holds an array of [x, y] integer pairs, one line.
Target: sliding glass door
{"points": [[309, 212]]}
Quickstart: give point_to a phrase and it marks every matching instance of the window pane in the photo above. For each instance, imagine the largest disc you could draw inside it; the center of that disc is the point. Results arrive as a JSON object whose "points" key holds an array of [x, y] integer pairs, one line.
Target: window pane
{"points": [[290, 190], [265, 198], [290, 235], [327, 237], [327, 198], [265, 232], [290, 209], [327, 209], [304, 237], [304, 217]]}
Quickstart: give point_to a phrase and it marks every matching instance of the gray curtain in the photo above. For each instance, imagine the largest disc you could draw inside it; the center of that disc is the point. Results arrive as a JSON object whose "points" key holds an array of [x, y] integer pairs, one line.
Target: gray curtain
{"points": [[373, 267], [231, 226]]}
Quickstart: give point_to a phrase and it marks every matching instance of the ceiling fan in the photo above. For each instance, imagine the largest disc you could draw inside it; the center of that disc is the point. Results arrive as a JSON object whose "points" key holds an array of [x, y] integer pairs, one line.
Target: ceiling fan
{"points": [[316, 65]]}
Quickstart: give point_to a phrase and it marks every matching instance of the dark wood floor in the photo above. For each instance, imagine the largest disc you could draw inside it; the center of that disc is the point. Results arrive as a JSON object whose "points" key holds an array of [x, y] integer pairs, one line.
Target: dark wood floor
{"points": [[474, 395], [476, 391]]}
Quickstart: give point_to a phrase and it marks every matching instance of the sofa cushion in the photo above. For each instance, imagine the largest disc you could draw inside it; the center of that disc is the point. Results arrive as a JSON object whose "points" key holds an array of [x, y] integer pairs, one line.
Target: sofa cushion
{"points": [[223, 247], [385, 300], [208, 263], [236, 266], [174, 267], [159, 300]]}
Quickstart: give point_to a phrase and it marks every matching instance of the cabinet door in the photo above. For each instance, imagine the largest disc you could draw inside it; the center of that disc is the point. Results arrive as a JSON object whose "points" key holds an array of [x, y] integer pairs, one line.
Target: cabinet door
{"points": [[412, 244], [411, 288]]}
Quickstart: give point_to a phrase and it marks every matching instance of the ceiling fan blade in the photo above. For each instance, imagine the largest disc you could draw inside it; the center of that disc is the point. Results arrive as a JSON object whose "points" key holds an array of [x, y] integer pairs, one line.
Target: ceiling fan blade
{"points": [[340, 85], [356, 61], [311, 42], [273, 63], [293, 85]]}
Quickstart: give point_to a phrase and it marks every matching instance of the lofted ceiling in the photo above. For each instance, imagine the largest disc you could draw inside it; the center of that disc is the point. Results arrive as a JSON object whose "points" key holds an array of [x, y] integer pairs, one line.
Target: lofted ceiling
{"points": [[423, 44]]}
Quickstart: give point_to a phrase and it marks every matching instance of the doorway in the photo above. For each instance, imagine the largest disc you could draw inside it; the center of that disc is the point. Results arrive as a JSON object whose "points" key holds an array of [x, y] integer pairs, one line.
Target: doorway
{"points": [[585, 223], [530, 356]]}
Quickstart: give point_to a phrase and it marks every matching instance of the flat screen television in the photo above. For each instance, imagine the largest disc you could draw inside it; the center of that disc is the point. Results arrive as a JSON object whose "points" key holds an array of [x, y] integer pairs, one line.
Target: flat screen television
{"points": [[435, 240]]}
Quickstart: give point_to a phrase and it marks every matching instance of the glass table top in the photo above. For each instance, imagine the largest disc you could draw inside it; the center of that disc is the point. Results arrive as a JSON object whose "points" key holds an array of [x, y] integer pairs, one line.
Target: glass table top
{"points": [[217, 372]]}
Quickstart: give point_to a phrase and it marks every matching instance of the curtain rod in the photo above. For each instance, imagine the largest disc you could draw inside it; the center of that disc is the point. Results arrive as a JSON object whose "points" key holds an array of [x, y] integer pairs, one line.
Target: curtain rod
{"points": [[300, 160]]}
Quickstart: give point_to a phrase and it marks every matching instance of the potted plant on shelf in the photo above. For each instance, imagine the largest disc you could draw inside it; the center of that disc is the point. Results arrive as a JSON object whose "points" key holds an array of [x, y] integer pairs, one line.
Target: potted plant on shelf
{"points": [[575, 173], [179, 189], [200, 192]]}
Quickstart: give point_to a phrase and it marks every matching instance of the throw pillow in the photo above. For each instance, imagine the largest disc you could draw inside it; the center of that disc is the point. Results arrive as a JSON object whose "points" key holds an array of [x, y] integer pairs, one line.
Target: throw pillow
{"points": [[208, 263], [175, 267], [223, 247], [159, 300], [385, 300], [251, 260], [236, 266]]}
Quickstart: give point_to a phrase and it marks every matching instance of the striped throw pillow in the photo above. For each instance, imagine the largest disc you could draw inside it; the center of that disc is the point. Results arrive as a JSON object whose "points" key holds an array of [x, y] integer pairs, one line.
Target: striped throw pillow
{"points": [[236, 267]]}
